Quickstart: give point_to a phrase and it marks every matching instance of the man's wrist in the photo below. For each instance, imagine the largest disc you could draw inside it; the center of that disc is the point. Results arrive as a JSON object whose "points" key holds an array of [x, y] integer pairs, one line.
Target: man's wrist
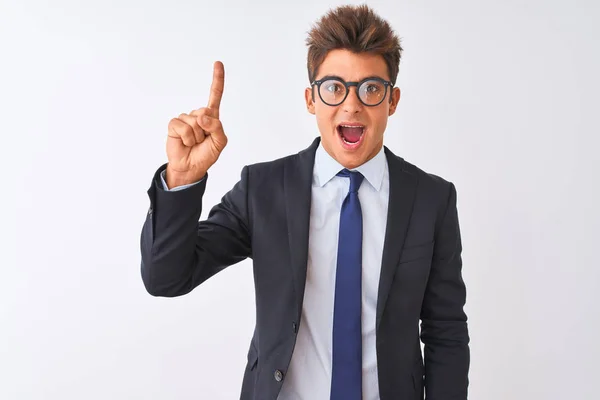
{"points": [[175, 178]]}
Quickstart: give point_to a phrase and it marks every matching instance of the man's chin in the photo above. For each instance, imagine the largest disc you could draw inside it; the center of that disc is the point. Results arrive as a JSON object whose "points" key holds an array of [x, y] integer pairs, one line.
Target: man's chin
{"points": [[349, 160]]}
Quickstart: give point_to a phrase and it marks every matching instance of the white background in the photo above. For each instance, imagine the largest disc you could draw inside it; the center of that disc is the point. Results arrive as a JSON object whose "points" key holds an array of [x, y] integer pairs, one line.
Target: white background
{"points": [[499, 97]]}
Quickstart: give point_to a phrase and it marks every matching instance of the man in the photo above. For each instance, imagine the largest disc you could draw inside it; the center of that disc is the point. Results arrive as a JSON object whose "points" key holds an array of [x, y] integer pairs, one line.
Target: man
{"points": [[351, 245]]}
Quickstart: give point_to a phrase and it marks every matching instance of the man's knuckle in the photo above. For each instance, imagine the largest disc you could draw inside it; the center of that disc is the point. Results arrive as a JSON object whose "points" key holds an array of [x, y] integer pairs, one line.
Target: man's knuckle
{"points": [[188, 130]]}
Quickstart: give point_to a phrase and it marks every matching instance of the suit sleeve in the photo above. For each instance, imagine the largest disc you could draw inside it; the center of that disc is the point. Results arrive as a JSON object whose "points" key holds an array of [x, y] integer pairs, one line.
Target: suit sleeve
{"points": [[178, 253], [444, 329]]}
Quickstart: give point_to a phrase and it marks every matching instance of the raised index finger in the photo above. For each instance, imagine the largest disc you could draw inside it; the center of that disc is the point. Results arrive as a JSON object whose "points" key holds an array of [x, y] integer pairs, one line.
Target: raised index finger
{"points": [[216, 89]]}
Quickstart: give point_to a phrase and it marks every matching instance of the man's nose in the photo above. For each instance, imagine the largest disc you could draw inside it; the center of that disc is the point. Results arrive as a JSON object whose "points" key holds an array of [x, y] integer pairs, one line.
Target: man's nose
{"points": [[352, 104]]}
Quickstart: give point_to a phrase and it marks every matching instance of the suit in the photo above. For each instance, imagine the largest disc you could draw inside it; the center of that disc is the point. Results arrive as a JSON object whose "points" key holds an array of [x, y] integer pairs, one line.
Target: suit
{"points": [[265, 217]]}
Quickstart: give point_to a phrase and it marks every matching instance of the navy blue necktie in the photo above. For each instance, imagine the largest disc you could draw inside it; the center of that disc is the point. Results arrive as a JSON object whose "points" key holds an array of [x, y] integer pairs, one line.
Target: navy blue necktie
{"points": [[346, 374]]}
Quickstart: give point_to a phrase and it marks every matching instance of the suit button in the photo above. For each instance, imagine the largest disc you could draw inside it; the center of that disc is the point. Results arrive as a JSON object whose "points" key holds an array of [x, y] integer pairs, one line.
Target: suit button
{"points": [[278, 375], [294, 327]]}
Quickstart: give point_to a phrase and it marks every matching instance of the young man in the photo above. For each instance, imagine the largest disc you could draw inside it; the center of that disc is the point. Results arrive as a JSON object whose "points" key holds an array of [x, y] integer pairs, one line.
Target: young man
{"points": [[351, 245]]}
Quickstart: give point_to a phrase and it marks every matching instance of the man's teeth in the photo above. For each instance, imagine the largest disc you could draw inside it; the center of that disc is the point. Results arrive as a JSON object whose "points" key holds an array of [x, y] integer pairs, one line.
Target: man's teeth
{"points": [[361, 127]]}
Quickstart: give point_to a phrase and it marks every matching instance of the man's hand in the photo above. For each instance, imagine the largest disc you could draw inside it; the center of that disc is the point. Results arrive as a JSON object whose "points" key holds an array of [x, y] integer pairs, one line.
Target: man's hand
{"points": [[196, 140]]}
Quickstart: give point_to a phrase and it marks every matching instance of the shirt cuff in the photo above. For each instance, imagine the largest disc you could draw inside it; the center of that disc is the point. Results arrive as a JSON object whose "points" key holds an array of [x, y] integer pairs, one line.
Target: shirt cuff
{"points": [[176, 188]]}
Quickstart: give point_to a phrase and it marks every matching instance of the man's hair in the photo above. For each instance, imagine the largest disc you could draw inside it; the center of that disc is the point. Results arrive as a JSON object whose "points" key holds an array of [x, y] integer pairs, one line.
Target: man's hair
{"points": [[355, 28]]}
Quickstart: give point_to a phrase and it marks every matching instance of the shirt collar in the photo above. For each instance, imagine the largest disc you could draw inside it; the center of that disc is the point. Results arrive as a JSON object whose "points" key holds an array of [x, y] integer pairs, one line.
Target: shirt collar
{"points": [[326, 167]]}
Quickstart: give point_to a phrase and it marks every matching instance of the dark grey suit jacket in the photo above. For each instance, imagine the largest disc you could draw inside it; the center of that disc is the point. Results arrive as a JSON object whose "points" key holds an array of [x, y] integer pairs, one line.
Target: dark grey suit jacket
{"points": [[265, 216]]}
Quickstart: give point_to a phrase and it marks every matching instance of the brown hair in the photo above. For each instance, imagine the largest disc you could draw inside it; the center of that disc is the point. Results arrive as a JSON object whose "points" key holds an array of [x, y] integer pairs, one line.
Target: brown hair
{"points": [[355, 28]]}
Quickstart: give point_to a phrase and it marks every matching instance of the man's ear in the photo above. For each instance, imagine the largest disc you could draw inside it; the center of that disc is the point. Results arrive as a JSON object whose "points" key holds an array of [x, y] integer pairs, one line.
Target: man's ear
{"points": [[395, 96], [310, 104]]}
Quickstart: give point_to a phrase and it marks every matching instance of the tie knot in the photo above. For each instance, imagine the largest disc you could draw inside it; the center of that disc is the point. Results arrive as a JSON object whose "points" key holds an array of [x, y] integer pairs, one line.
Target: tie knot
{"points": [[356, 179]]}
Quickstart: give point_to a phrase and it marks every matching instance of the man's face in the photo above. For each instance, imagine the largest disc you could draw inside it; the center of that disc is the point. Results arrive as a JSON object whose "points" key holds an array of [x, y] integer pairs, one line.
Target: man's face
{"points": [[352, 146]]}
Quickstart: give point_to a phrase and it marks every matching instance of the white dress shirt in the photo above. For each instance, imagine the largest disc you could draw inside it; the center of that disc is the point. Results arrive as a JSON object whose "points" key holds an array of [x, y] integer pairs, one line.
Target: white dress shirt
{"points": [[309, 374]]}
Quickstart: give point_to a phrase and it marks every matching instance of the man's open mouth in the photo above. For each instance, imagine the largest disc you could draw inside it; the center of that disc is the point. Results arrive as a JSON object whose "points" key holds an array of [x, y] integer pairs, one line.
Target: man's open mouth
{"points": [[351, 133]]}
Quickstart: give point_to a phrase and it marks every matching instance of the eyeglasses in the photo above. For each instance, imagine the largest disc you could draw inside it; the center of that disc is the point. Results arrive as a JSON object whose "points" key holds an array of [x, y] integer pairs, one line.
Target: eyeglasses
{"points": [[333, 90]]}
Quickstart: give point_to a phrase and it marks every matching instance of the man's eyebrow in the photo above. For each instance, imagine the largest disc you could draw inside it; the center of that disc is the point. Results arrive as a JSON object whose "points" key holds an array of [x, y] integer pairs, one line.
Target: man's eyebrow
{"points": [[338, 77], [331, 77]]}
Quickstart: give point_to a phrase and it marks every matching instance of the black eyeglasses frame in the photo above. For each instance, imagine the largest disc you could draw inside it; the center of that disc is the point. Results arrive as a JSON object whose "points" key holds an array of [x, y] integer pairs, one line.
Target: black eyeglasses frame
{"points": [[347, 85]]}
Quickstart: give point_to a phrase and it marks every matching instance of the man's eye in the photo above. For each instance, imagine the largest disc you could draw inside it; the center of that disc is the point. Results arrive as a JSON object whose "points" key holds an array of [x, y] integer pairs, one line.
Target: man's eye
{"points": [[334, 88]]}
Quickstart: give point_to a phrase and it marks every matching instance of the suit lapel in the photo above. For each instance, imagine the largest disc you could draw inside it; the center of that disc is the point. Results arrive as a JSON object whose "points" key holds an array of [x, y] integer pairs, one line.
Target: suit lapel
{"points": [[402, 194], [297, 183]]}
